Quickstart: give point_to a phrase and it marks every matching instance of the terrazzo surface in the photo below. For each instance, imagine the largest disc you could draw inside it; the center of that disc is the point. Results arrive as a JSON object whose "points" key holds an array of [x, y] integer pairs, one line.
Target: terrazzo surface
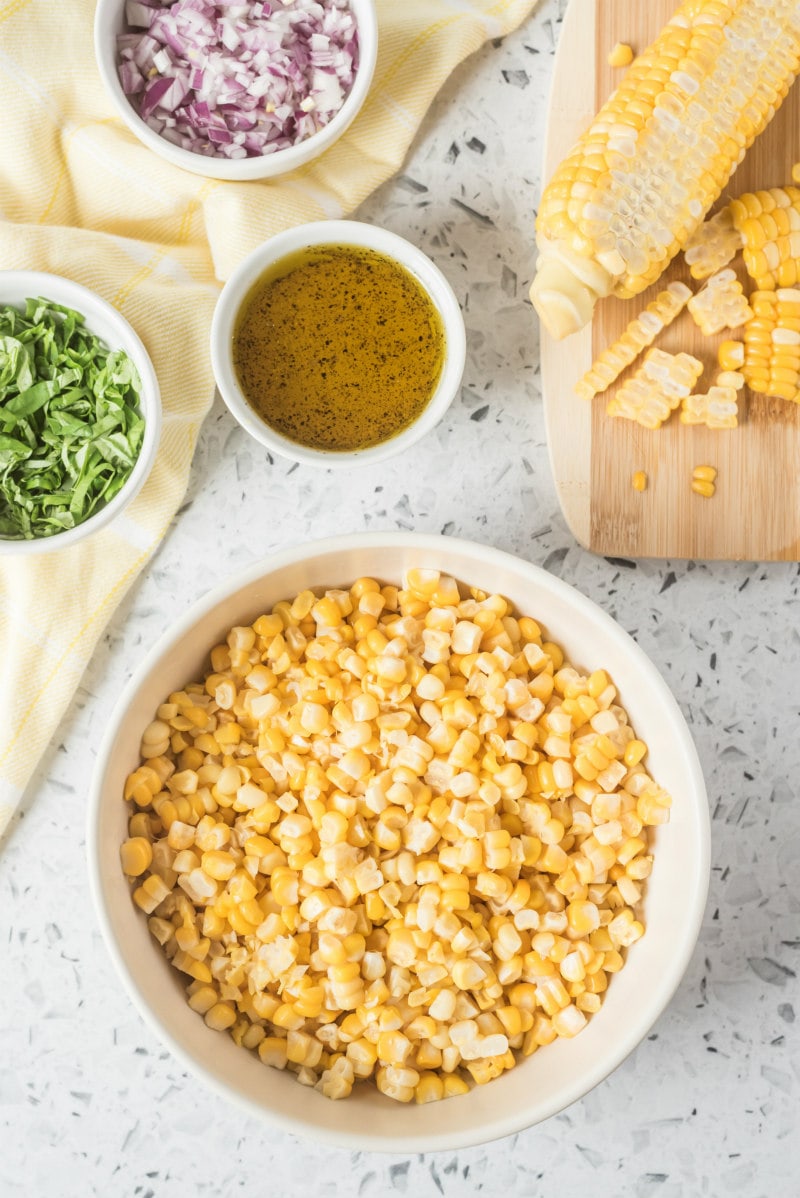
{"points": [[92, 1104]]}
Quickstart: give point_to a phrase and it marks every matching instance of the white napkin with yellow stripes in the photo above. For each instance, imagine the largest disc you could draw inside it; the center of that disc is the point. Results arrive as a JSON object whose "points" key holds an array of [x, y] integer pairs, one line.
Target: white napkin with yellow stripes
{"points": [[81, 197]]}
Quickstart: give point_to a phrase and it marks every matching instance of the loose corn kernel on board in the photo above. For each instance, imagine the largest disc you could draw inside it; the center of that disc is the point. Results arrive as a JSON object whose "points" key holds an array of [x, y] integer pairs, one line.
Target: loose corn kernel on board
{"points": [[755, 513]]}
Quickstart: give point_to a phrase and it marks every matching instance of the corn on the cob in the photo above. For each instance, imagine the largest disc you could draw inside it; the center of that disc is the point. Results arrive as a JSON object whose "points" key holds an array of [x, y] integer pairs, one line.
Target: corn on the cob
{"points": [[721, 304], [656, 389], [714, 244], [772, 344], [716, 409], [639, 334], [617, 210], [769, 222]]}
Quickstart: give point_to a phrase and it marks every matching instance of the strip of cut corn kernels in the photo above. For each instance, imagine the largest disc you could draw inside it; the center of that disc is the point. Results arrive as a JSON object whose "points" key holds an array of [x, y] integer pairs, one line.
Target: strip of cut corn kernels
{"points": [[714, 245], [394, 837], [640, 333], [656, 389], [717, 409], [721, 304]]}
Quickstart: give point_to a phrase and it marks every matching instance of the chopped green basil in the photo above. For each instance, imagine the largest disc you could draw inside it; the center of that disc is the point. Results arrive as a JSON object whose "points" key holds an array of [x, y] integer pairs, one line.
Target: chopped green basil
{"points": [[70, 422]]}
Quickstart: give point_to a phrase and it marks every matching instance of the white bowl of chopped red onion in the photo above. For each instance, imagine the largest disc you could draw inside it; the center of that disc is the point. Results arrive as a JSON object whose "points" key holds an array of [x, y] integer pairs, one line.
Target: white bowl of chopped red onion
{"points": [[241, 90], [556, 1074]]}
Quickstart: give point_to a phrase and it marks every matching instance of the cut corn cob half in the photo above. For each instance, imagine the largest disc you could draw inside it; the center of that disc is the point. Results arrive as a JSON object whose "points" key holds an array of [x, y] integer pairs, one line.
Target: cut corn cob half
{"points": [[617, 210], [772, 344], [716, 409], [721, 304], [769, 223], [714, 244], [639, 334], [657, 389]]}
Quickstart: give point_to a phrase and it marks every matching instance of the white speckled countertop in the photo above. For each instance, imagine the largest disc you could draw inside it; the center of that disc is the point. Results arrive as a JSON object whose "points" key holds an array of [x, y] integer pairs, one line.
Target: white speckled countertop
{"points": [[91, 1104]]}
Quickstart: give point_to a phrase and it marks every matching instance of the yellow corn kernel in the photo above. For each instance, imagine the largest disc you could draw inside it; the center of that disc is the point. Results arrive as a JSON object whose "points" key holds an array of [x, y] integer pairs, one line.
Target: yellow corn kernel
{"points": [[635, 750], [218, 864], [621, 55], [454, 1085], [429, 1088], [702, 487], [203, 999], [273, 1051], [221, 1016], [135, 855], [150, 894], [639, 481], [730, 355]]}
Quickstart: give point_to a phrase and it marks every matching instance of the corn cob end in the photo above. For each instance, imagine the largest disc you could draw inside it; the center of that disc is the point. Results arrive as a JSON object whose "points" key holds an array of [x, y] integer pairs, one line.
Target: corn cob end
{"points": [[566, 289]]}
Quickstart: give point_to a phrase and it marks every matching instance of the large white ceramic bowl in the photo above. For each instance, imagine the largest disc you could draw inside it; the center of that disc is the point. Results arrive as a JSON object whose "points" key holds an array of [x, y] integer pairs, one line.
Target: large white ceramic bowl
{"points": [[340, 233], [554, 1076], [109, 23], [112, 328]]}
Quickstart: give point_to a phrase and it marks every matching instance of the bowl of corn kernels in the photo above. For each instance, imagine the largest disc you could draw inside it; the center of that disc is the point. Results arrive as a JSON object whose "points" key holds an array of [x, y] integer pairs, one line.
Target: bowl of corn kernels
{"points": [[395, 820]]}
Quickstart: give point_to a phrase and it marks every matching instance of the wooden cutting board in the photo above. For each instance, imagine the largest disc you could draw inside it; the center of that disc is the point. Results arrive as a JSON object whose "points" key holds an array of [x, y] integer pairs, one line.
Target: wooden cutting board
{"points": [[755, 514]]}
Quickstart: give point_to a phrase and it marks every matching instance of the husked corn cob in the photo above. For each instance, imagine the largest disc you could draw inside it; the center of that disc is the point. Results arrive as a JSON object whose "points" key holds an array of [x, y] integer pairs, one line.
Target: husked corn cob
{"points": [[640, 333], [721, 304], [713, 245], [769, 223], [772, 344], [656, 389], [634, 189], [716, 409]]}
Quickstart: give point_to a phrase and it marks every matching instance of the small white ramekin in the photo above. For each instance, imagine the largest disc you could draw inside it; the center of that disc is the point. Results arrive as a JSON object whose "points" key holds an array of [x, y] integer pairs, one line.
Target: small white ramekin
{"points": [[109, 23], [106, 322], [337, 232]]}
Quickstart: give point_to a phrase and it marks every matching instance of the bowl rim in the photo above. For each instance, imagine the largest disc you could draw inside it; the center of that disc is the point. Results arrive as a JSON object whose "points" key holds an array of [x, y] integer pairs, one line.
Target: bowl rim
{"points": [[348, 233], [676, 964], [63, 290], [241, 170]]}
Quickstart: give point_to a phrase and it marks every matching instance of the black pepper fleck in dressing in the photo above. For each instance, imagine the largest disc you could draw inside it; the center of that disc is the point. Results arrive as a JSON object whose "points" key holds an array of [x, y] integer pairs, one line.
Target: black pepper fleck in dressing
{"points": [[338, 347]]}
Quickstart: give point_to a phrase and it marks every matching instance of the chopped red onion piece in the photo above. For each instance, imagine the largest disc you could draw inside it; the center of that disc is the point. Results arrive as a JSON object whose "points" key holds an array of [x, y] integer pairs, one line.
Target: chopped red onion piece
{"points": [[234, 79]]}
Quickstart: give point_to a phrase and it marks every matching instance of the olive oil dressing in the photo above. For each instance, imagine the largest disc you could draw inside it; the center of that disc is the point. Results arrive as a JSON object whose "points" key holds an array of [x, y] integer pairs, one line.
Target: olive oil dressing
{"points": [[338, 348]]}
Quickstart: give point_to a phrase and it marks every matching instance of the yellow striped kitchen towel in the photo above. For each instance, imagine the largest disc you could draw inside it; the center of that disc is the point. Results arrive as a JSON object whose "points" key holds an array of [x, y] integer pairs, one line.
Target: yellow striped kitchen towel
{"points": [[81, 197]]}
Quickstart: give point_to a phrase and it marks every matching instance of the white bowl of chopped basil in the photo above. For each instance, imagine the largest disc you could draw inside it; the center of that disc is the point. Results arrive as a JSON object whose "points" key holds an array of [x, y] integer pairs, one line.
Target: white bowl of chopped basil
{"points": [[80, 412]]}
